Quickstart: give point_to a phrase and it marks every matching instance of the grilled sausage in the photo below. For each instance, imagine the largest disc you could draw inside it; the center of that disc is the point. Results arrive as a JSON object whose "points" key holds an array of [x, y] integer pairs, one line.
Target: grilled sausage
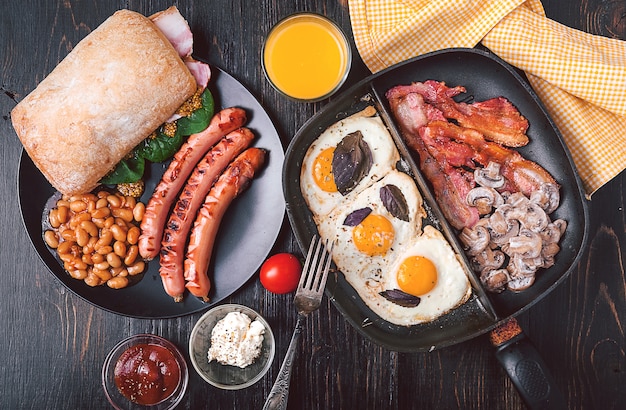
{"points": [[176, 174], [183, 214], [231, 183]]}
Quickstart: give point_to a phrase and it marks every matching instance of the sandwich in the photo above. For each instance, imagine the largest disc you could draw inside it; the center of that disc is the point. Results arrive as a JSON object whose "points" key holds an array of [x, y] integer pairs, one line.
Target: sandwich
{"points": [[114, 89]]}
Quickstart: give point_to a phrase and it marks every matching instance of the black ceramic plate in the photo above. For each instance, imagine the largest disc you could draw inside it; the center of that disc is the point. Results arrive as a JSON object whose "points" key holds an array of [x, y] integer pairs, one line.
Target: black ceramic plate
{"points": [[250, 226], [484, 76]]}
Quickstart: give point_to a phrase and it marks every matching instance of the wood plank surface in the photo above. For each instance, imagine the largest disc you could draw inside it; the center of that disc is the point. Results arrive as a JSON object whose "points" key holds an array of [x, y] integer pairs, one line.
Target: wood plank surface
{"points": [[53, 343]]}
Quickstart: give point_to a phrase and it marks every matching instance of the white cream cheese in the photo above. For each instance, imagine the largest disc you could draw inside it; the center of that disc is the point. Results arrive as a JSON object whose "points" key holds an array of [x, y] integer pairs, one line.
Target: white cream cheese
{"points": [[236, 340]]}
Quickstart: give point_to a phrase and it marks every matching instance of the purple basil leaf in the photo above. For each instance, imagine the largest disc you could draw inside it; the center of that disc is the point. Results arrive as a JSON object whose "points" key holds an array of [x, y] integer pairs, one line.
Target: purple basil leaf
{"points": [[400, 298], [352, 162], [394, 201], [356, 217]]}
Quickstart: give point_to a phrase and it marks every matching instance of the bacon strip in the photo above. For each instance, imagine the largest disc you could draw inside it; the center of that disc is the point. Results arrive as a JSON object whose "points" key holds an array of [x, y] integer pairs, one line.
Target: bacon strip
{"points": [[182, 216], [183, 163], [230, 184]]}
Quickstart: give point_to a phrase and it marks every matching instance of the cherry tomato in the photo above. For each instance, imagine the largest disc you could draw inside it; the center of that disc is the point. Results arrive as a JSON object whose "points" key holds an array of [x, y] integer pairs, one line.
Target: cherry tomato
{"points": [[280, 273]]}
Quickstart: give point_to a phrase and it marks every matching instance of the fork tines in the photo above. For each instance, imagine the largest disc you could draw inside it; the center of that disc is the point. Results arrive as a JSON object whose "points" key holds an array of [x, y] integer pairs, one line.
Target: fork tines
{"points": [[317, 265]]}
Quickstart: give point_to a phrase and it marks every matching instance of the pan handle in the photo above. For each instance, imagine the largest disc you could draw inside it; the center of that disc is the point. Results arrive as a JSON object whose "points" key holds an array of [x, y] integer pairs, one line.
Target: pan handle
{"points": [[528, 372]]}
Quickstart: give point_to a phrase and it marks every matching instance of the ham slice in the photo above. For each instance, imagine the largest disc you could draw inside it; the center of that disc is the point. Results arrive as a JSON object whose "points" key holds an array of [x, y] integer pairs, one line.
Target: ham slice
{"points": [[174, 26], [176, 29]]}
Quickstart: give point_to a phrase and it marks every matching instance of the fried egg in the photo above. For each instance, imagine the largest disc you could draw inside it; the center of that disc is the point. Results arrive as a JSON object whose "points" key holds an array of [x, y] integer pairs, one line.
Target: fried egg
{"points": [[376, 156], [372, 228], [425, 281]]}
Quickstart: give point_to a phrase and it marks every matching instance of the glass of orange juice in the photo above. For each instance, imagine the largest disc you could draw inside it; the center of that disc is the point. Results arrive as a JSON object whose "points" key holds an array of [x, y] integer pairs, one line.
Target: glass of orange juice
{"points": [[306, 57]]}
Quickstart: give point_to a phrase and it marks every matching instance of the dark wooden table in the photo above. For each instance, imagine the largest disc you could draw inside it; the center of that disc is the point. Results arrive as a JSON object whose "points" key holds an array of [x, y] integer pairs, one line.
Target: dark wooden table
{"points": [[53, 343]]}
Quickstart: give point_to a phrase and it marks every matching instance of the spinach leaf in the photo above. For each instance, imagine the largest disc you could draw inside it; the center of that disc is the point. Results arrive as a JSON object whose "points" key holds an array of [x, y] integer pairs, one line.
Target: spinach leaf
{"points": [[127, 170], [199, 119], [161, 147]]}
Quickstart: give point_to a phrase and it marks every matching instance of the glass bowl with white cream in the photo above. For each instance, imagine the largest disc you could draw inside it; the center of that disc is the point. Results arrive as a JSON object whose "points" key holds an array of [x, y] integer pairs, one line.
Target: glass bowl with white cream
{"points": [[231, 346]]}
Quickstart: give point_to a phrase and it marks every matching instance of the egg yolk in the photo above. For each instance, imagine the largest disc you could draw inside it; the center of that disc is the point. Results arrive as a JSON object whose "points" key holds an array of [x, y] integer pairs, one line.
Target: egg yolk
{"points": [[323, 170], [374, 235], [417, 275]]}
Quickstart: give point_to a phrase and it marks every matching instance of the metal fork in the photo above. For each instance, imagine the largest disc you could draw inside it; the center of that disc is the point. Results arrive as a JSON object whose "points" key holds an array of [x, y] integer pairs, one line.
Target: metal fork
{"points": [[308, 298]]}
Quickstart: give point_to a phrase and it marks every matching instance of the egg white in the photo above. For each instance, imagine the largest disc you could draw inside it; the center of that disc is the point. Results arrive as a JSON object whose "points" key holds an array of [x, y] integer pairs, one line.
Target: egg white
{"points": [[346, 256], [384, 155], [452, 289]]}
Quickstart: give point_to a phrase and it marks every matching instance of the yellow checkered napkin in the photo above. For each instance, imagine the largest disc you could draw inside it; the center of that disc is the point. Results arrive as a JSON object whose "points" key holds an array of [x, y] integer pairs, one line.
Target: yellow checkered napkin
{"points": [[580, 78]]}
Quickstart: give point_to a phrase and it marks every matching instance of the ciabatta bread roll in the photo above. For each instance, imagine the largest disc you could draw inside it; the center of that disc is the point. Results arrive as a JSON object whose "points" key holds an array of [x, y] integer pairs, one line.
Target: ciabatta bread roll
{"points": [[112, 90]]}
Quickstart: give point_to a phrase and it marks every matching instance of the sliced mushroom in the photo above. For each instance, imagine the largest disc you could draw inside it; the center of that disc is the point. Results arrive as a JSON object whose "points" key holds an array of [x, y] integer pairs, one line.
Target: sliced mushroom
{"points": [[548, 252], [475, 239], [502, 229], [521, 283], [520, 266], [495, 280], [488, 259], [535, 218], [517, 199], [552, 232], [489, 176], [547, 197], [484, 199], [527, 244]]}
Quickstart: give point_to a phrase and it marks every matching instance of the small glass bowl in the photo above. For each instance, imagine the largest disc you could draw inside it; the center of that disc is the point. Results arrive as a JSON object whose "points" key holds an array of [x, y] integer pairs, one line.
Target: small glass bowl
{"points": [[224, 376], [117, 399]]}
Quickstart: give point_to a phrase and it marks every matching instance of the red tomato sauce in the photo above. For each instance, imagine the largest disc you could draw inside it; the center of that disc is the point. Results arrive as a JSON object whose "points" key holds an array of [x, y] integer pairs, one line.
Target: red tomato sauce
{"points": [[147, 374]]}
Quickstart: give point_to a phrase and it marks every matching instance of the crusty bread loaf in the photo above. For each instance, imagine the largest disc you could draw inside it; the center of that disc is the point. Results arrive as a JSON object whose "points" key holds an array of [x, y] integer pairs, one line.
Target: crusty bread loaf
{"points": [[111, 91]]}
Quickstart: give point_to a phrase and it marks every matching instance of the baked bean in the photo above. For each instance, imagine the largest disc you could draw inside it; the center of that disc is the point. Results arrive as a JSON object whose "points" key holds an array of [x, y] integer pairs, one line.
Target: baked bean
{"points": [[97, 258], [102, 203], [136, 268], [51, 239], [78, 206], [119, 248], [63, 214], [101, 213], [118, 282], [66, 257], [77, 219], [92, 279], [114, 200], [109, 222], [102, 274], [91, 206], [130, 202], [104, 265], [117, 271], [65, 247], [123, 213], [106, 237], [79, 264], [53, 218], [131, 256], [119, 234], [139, 211], [114, 260], [87, 258], [78, 273], [82, 237], [91, 245], [90, 227], [99, 222], [133, 235], [103, 250]]}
